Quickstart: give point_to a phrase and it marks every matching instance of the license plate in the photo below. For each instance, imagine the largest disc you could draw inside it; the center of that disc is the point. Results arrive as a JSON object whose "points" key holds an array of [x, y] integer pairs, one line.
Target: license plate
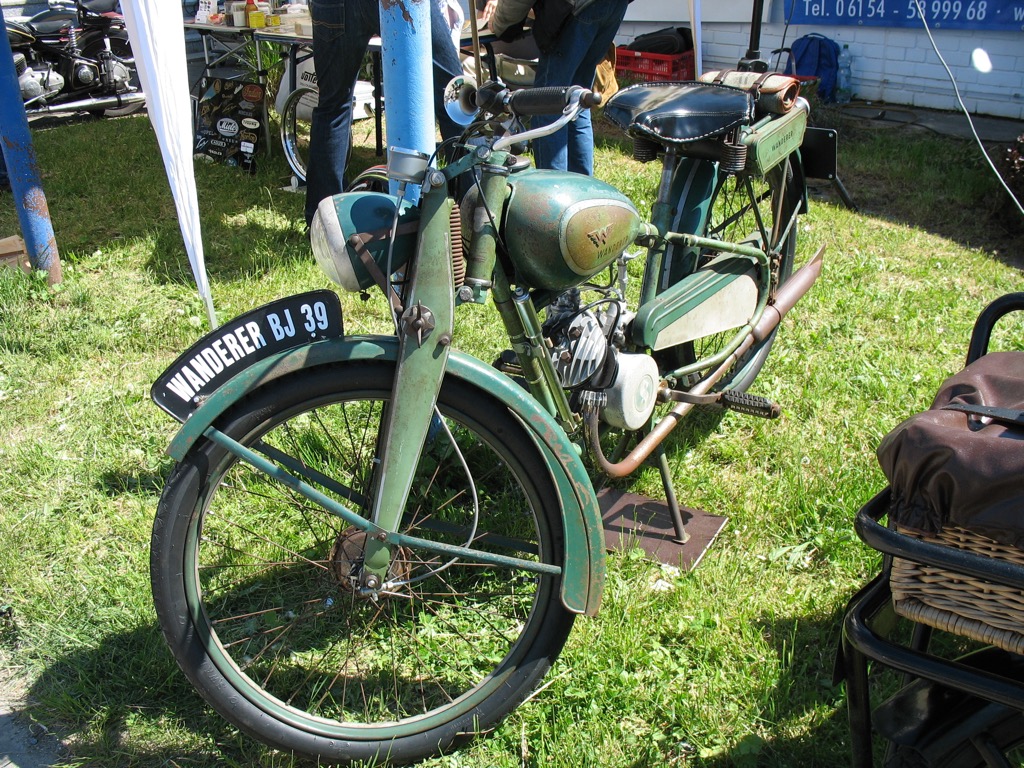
{"points": [[227, 351]]}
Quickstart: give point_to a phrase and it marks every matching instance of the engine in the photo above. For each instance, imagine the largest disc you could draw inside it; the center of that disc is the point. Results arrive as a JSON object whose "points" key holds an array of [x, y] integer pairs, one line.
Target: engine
{"points": [[84, 74], [35, 85], [586, 351]]}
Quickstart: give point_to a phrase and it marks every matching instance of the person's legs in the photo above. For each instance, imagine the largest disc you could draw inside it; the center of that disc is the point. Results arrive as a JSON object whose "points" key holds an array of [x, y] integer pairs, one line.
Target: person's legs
{"points": [[341, 31], [446, 66], [581, 46]]}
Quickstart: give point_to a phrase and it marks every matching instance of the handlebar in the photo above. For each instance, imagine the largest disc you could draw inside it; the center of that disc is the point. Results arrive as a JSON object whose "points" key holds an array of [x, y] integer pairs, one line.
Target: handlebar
{"points": [[535, 101], [569, 101], [550, 101]]}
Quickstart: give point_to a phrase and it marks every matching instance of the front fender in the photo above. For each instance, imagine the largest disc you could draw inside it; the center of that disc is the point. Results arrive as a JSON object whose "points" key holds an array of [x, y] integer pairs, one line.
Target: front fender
{"points": [[584, 569]]}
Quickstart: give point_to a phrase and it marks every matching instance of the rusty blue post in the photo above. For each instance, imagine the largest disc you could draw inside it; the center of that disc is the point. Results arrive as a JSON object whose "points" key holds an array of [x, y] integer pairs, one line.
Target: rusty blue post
{"points": [[23, 170], [408, 75]]}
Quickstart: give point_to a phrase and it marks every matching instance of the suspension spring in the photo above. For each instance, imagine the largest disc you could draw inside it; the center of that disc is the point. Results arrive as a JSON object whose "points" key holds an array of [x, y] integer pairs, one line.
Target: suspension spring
{"points": [[644, 149], [734, 157], [458, 256]]}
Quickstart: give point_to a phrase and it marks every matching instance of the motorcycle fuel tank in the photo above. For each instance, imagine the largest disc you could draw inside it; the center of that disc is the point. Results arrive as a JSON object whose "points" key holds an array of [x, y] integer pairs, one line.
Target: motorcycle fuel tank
{"points": [[19, 33], [561, 228]]}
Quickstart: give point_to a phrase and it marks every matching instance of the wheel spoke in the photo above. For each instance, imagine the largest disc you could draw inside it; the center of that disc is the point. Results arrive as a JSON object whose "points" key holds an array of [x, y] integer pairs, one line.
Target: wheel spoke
{"points": [[276, 578]]}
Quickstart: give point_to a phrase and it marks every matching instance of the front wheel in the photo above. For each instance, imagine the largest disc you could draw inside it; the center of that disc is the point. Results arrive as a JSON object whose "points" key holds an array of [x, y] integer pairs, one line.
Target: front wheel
{"points": [[256, 587]]}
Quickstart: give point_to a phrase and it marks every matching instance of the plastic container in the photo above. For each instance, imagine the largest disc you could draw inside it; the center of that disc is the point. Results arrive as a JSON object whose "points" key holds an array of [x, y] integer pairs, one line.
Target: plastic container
{"points": [[640, 66], [844, 76]]}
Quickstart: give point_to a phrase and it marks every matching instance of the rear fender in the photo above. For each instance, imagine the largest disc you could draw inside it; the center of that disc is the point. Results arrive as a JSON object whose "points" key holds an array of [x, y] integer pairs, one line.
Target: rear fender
{"points": [[584, 570]]}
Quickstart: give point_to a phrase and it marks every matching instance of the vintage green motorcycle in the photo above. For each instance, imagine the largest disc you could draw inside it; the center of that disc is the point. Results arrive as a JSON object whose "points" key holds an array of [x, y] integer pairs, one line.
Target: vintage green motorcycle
{"points": [[373, 547]]}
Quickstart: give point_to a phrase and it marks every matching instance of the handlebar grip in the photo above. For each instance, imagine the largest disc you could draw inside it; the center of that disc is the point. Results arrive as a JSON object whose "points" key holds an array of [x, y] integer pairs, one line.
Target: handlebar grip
{"points": [[548, 101]]}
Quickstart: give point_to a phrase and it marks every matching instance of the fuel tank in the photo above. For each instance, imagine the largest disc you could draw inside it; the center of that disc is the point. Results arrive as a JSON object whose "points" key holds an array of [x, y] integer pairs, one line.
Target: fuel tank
{"points": [[19, 34], [561, 228]]}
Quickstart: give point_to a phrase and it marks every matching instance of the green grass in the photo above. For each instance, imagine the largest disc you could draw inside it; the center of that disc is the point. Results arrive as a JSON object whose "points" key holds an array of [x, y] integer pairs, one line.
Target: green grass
{"points": [[727, 665]]}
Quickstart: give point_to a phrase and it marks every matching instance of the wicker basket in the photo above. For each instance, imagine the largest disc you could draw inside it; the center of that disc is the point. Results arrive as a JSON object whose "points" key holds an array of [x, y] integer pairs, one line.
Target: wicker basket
{"points": [[963, 605]]}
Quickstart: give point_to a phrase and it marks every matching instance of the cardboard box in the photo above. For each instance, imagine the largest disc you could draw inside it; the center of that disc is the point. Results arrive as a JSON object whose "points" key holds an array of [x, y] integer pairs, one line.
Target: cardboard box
{"points": [[13, 253]]}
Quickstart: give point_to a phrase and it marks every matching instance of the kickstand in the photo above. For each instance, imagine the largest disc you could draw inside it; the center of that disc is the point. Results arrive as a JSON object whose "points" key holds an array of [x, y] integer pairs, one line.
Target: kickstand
{"points": [[843, 194], [670, 496], [666, 481]]}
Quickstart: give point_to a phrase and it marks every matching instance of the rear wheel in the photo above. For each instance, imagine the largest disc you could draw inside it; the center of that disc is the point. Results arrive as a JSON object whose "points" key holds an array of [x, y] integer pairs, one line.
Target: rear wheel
{"points": [[760, 212], [122, 65], [373, 179], [256, 587]]}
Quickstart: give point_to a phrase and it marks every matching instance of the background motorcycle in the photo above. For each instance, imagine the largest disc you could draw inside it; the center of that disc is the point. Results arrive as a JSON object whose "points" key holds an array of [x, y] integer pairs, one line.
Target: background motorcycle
{"points": [[75, 56]]}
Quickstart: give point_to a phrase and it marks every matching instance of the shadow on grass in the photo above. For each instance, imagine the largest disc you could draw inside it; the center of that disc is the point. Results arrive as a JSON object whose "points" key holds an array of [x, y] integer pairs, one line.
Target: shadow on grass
{"points": [[106, 690], [802, 692], [804, 689], [232, 251], [114, 484]]}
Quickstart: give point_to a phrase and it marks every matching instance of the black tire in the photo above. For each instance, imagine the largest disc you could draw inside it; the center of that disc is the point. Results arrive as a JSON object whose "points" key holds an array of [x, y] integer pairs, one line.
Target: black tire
{"points": [[122, 50], [251, 581], [373, 179], [295, 126], [776, 198]]}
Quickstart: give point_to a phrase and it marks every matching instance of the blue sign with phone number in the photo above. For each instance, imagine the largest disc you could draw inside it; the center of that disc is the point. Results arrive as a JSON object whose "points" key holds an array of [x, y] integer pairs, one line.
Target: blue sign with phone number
{"points": [[1007, 15]]}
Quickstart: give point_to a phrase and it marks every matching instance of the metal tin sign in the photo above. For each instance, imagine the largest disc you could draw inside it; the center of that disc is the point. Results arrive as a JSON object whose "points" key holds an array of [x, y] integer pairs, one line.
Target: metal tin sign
{"points": [[229, 122]]}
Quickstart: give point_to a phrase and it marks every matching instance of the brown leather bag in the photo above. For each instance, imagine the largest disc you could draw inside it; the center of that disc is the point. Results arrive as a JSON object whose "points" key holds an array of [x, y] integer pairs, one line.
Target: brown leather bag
{"points": [[604, 79], [961, 463]]}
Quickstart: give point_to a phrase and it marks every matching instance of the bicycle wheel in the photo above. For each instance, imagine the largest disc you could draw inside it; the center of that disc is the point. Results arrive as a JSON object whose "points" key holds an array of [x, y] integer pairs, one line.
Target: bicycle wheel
{"points": [[253, 584], [295, 123], [761, 212]]}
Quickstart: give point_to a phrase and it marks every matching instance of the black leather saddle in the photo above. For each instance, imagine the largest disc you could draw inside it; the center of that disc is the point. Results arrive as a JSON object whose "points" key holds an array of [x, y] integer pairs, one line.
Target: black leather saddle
{"points": [[101, 6], [680, 113]]}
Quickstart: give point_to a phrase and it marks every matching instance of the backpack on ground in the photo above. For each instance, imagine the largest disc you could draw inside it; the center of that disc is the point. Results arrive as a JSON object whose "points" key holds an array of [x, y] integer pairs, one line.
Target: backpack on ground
{"points": [[668, 41], [818, 56]]}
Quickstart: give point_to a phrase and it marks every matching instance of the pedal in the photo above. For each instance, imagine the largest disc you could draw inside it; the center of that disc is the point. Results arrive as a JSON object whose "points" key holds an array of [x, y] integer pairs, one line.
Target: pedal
{"points": [[508, 363], [752, 405]]}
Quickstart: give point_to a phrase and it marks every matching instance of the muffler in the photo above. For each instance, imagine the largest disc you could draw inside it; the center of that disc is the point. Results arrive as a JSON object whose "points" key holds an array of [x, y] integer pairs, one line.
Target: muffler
{"points": [[85, 105]]}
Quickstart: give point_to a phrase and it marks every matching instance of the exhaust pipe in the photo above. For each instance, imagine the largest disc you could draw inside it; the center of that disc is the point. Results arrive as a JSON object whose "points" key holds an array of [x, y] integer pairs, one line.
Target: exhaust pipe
{"points": [[785, 299], [83, 105]]}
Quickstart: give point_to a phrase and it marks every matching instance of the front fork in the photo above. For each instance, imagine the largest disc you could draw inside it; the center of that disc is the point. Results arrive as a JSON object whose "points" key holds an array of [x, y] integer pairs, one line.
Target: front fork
{"points": [[424, 338]]}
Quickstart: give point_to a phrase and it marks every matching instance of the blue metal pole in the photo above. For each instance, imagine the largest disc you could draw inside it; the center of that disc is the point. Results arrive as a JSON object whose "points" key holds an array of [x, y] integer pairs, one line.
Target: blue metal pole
{"points": [[408, 75], [23, 170]]}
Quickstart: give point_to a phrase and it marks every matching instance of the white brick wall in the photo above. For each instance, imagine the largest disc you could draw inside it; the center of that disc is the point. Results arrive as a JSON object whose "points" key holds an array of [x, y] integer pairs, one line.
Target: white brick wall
{"points": [[893, 65]]}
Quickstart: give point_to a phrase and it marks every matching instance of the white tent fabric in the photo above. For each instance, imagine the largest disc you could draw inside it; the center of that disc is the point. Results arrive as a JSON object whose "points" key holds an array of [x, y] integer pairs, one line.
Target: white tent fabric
{"points": [[158, 41]]}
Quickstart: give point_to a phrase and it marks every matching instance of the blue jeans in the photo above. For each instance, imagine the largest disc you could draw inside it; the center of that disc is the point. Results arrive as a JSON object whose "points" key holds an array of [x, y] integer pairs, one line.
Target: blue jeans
{"points": [[581, 46], [341, 31]]}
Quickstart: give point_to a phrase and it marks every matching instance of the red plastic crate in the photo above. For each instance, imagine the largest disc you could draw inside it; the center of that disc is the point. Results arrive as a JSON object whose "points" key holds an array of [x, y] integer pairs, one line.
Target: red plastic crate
{"points": [[639, 66]]}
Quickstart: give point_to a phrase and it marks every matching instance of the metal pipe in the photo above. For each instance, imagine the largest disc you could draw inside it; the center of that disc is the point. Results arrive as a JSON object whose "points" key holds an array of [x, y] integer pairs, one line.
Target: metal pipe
{"points": [[408, 77], [23, 171], [107, 102], [785, 299]]}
